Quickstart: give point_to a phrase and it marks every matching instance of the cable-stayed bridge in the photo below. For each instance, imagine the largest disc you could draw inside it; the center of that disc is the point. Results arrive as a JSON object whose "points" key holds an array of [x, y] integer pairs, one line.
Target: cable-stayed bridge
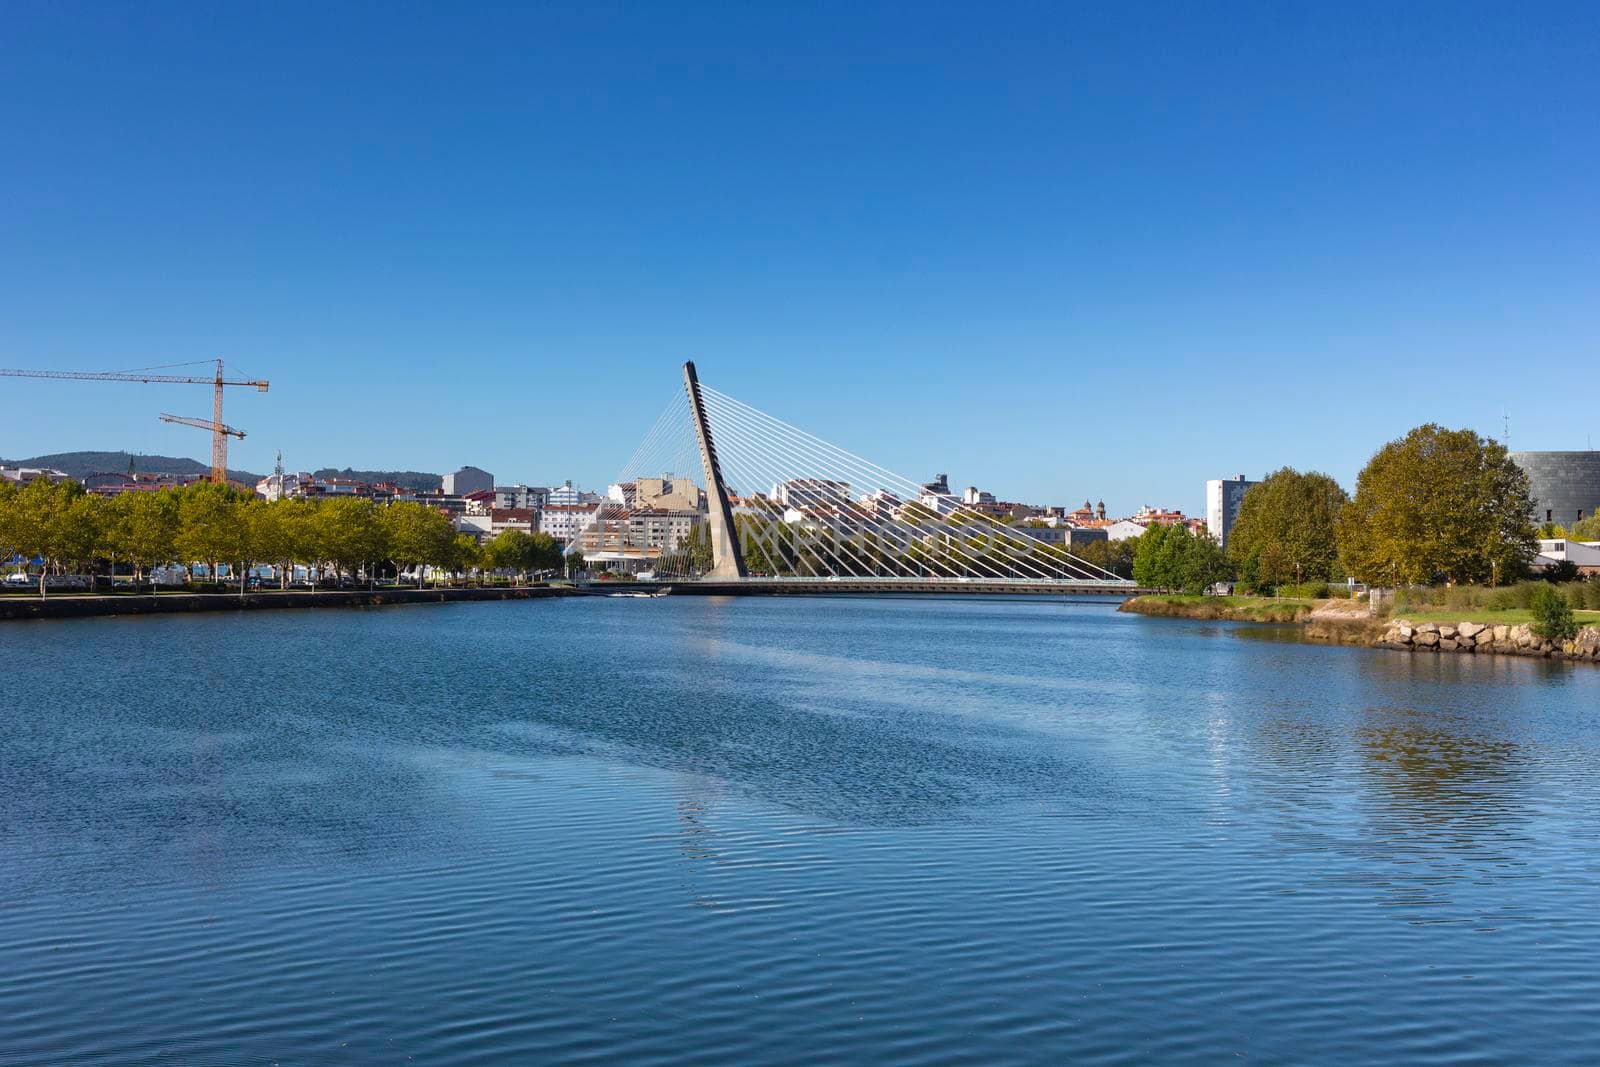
{"points": [[721, 497]]}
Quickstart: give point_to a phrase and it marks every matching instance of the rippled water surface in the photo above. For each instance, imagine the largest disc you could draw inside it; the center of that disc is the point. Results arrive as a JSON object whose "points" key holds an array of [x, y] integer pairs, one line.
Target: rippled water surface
{"points": [[761, 831]]}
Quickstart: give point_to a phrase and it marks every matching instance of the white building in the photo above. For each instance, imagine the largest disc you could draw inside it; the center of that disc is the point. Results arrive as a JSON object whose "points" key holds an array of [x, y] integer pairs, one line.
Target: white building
{"points": [[1585, 555], [975, 496], [28, 474], [565, 494], [1122, 530], [476, 525], [566, 521], [1223, 497]]}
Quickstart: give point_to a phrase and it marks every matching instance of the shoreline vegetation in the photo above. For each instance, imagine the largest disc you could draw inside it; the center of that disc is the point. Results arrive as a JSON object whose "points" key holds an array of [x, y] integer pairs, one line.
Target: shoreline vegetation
{"points": [[1432, 628]]}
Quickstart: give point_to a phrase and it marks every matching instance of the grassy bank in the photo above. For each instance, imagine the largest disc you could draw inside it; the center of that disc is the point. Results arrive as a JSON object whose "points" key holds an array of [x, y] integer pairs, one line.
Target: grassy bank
{"points": [[1235, 608], [1289, 609], [1505, 616]]}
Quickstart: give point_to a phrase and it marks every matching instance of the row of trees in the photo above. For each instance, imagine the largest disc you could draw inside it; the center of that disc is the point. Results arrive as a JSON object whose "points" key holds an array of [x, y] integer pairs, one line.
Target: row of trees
{"points": [[74, 531], [1436, 505]]}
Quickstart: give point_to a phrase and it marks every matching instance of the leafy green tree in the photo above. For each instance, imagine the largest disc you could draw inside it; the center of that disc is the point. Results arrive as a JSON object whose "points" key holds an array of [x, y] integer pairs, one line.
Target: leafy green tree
{"points": [[1151, 558], [512, 551], [8, 507], [209, 526], [142, 528], [1170, 557], [303, 532], [418, 535], [77, 534], [1552, 615], [697, 547], [350, 535], [467, 555], [271, 535], [1587, 529], [32, 514], [1438, 505], [544, 553], [1114, 556], [1288, 529]]}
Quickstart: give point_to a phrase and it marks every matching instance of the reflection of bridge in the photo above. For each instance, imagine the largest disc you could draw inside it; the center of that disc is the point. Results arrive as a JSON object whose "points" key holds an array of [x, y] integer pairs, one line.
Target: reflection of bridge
{"points": [[809, 517], [872, 587]]}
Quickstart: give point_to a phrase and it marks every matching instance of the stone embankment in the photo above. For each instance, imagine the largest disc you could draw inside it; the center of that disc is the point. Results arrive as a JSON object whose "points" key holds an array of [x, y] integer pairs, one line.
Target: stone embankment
{"points": [[1473, 637], [73, 607]]}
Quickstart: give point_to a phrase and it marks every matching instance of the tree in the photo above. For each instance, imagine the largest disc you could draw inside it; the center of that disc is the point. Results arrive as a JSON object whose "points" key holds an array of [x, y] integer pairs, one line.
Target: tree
{"points": [[418, 535], [1170, 557], [1288, 529], [349, 534], [1552, 615], [1114, 556], [544, 553], [1586, 529], [466, 555], [142, 528], [209, 526], [1150, 558], [30, 522], [512, 550], [8, 507], [76, 535], [1438, 505], [271, 536], [697, 546]]}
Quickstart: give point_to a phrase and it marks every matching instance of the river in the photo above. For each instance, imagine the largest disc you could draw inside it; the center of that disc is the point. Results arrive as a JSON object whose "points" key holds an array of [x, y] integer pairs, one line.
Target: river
{"points": [[756, 830]]}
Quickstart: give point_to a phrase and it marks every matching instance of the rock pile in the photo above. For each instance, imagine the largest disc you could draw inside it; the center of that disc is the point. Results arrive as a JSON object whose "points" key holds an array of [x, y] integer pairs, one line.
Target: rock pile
{"points": [[1517, 640]]}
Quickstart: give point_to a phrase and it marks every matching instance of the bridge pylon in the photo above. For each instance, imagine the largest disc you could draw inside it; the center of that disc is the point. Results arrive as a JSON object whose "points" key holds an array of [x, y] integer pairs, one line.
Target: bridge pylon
{"points": [[727, 559]]}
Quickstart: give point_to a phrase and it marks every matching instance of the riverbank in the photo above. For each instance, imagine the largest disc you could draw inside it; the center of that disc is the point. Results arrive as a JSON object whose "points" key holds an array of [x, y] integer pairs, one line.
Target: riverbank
{"points": [[77, 607], [1230, 608], [1349, 622]]}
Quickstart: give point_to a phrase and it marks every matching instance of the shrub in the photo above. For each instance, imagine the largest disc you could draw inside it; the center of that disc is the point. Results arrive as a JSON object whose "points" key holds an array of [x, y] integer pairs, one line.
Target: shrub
{"points": [[1306, 590], [1552, 615]]}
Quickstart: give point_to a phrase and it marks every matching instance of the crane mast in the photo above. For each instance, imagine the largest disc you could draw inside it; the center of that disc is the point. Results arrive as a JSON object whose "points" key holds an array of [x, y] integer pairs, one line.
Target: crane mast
{"points": [[219, 431]]}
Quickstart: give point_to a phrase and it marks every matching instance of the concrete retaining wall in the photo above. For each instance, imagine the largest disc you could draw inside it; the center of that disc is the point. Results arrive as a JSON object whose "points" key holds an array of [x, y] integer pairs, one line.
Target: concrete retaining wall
{"points": [[72, 607]]}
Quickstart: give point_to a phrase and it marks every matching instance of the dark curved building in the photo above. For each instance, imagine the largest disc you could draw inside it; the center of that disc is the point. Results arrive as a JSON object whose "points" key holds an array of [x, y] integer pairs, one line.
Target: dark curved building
{"points": [[1566, 485]]}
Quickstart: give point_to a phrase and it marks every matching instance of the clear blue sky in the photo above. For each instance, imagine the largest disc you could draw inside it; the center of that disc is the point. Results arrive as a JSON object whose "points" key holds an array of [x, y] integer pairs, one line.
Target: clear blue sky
{"points": [[1054, 251]]}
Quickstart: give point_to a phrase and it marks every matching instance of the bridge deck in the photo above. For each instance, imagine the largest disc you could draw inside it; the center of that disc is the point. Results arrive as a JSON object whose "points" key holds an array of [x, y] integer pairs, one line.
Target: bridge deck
{"points": [[873, 587]]}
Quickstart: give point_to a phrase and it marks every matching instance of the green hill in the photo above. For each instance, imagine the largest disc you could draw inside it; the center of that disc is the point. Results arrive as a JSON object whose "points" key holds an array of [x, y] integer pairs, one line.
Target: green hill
{"points": [[417, 480], [80, 465]]}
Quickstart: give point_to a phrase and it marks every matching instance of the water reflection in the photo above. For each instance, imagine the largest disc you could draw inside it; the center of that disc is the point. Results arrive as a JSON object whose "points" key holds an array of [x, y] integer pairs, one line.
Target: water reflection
{"points": [[747, 831]]}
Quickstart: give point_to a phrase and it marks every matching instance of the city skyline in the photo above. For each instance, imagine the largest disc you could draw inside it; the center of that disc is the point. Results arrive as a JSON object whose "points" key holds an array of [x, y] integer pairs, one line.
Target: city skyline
{"points": [[1012, 248]]}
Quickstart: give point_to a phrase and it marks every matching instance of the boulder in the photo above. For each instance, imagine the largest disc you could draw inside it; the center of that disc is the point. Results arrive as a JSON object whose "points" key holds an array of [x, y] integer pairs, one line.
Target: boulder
{"points": [[1446, 631], [1502, 634], [1470, 629], [1428, 628], [1587, 644], [1522, 636], [1448, 644], [1426, 638], [1404, 630]]}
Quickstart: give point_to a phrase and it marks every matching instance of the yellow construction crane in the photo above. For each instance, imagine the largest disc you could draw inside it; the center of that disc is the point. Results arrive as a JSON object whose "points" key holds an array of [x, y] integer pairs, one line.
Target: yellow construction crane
{"points": [[219, 432], [215, 428]]}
